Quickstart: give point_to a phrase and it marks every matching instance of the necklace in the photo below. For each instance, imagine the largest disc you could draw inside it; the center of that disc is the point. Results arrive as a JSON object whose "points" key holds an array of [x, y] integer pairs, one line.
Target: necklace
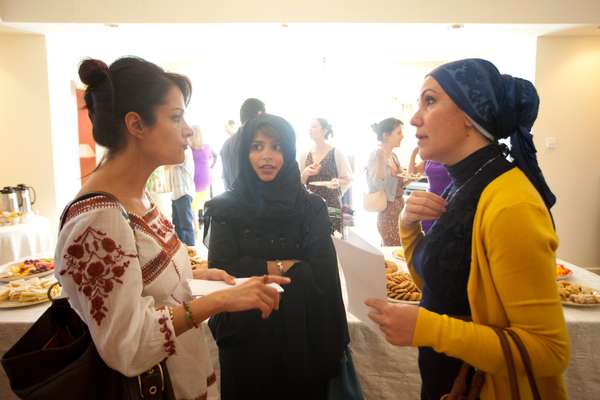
{"points": [[455, 192]]}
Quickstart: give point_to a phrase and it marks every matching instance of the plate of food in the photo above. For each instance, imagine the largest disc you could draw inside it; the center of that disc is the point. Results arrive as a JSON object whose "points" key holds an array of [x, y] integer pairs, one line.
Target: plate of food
{"points": [[390, 267], [410, 177], [399, 253], [26, 268], [195, 260], [191, 251], [27, 292], [394, 301], [402, 289], [328, 184], [562, 272], [575, 295], [198, 264]]}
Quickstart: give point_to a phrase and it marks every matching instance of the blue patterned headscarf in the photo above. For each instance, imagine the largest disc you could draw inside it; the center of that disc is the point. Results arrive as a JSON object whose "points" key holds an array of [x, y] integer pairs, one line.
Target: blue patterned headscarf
{"points": [[500, 106]]}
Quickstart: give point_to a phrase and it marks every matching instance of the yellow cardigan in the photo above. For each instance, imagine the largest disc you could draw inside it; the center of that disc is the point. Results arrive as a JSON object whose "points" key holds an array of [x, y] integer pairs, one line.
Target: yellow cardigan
{"points": [[511, 283]]}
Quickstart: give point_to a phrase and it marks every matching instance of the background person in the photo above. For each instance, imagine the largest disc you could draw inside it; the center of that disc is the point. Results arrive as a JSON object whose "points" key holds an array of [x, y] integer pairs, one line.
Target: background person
{"points": [[437, 178], [250, 108], [326, 163], [383, 168]]}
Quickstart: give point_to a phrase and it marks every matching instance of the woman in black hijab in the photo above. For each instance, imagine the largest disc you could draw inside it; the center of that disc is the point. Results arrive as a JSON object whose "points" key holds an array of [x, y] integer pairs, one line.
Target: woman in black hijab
{"points": [[269, 223]]}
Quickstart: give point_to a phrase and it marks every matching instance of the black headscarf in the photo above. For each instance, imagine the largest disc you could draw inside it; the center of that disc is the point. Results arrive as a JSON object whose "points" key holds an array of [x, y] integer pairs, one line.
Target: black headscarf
{"points": [[251, 198], [501, 106]]}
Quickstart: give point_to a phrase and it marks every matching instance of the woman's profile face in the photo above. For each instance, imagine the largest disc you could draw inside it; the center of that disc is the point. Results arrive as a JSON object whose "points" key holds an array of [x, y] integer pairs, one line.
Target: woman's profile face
{"points": [[441, 130], [265, 156], [394, 138], [316, 131], [166, 140]]}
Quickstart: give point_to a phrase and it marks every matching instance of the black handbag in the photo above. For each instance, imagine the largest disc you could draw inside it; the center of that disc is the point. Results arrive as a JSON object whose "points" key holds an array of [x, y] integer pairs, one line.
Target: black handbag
{"points": [[57, 359]]}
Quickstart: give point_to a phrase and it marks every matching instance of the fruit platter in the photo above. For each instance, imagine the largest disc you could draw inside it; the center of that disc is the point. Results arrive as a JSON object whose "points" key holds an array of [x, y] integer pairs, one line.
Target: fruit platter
{"points": [[562, 272], [27, 268]]}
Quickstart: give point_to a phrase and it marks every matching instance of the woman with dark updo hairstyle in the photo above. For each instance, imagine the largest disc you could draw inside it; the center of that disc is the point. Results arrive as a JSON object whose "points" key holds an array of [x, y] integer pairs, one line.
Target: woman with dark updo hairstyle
{"points": [[125, 272], [326, 163], [383, 168]]}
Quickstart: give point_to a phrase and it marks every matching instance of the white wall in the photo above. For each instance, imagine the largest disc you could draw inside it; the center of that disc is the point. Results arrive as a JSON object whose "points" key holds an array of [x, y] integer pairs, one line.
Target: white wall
{"points": [[62, 69], [568, 81], [26, 147]]}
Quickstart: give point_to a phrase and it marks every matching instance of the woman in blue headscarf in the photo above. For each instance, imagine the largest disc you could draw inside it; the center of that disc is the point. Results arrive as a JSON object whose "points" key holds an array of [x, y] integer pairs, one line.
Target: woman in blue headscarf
{"points": [[489, 261]]}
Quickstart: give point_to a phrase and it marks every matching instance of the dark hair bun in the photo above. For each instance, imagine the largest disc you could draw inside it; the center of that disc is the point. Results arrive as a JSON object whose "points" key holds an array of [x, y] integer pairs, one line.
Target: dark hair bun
{"points": [[375, 128], [385, 127], [326, 126], [93, 72]]}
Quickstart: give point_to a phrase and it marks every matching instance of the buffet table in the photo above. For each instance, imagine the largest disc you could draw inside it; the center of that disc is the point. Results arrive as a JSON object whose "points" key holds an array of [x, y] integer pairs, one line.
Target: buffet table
{"points": [[390, 372], [25, 239]]}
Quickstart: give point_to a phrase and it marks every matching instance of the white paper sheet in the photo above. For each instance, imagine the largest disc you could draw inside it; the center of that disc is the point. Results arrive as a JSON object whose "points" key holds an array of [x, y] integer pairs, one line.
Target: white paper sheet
{"points": [[201, 287], [363, 266]]}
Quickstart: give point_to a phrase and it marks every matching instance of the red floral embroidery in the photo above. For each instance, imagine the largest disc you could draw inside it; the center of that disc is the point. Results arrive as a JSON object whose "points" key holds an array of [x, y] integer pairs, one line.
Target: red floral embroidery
{"points": [[169, 343], [94, 203], [162, 227], [96, 262]]}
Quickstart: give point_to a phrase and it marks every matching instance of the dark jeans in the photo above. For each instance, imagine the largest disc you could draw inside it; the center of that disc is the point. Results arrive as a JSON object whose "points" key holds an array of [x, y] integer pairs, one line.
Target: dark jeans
{"points": [[183, 219]]}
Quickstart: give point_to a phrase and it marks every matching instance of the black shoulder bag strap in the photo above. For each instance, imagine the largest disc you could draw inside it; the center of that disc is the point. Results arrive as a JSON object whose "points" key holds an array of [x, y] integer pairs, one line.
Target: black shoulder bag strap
{"points": [[154, 384]]}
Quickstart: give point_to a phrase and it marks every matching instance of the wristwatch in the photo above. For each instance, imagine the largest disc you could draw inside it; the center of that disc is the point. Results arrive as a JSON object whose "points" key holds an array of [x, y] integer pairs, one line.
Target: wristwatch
{"points": [[279, 264]]}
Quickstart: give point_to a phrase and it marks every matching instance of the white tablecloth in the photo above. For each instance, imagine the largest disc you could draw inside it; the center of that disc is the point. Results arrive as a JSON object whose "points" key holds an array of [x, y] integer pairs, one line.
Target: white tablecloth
{"points": [[26, 239], [390, 372]]}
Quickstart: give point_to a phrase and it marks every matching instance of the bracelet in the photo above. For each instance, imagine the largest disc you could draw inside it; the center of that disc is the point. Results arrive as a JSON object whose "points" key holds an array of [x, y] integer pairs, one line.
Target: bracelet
{"points": [[188, 316], [171, 315]]}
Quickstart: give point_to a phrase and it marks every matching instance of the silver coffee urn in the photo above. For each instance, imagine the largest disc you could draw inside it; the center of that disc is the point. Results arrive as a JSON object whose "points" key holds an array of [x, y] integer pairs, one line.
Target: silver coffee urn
{"points": [[10, 201], [24, 198]]}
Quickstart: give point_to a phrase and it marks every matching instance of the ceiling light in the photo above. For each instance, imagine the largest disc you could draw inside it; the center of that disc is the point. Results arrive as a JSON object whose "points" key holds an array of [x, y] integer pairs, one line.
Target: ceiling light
{"points": [[456, 26], [111, 25]]}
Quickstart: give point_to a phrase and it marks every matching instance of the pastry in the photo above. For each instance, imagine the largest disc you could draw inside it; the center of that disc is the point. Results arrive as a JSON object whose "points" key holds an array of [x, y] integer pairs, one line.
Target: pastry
{"points": [[400, 286], [390, 267]]}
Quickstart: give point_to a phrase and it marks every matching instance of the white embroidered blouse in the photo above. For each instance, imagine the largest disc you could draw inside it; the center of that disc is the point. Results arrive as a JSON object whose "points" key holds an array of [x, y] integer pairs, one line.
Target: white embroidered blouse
{"points": [[119, 280]]}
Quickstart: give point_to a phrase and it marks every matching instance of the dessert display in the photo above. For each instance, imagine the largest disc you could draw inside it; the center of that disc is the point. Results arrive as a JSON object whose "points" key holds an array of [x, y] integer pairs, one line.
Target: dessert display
{"points": [[399, 253], [402, 288], [198, 264], [23, 292], [27, 268], [10, 217], [410, 177], [390, 267], [195, 261], [577, 295], [562, 272], [192, 252]]}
